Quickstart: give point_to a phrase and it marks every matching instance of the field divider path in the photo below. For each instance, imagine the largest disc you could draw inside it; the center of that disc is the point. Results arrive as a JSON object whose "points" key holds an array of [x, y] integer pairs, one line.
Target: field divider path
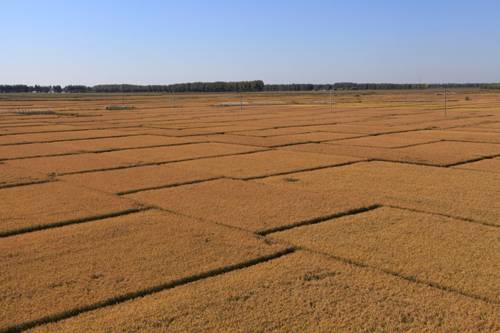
{"points": [[301, 170], [277, 146], [389, 148], [133, 295], [59, 224], [471, 141], [135, 165], [474, 160], [70, 130], [464, 219], [38, 123], [100, 151], [236, 131], [71, 140], [319, 219], [168, 186], [34, 182], [182, 135], [378, 159]]}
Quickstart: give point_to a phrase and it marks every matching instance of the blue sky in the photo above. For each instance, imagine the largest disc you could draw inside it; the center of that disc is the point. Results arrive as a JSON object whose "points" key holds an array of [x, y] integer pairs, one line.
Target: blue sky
{"points": [[278, 41]]}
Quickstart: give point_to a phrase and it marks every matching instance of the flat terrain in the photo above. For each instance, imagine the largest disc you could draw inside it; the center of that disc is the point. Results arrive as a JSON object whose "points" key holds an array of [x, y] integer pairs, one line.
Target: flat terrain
{"points": [[378, 214]]}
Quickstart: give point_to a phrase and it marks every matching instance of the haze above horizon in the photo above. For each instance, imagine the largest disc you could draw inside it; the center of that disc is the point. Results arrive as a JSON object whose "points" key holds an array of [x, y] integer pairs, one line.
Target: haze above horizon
{"points": [[160, 42]]}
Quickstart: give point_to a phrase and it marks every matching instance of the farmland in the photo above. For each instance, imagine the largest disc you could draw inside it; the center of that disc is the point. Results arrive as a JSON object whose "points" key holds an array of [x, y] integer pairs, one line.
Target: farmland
{"points": [[154, 212]]}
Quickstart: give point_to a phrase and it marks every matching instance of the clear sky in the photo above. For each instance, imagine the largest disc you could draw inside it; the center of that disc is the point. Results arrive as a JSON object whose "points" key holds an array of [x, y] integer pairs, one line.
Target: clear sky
{"points": [[278, 41]]}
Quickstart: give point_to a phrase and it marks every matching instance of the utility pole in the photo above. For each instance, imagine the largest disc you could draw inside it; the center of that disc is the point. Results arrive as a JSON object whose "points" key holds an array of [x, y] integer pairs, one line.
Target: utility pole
{"points": [[332, 101], [445, 103]]}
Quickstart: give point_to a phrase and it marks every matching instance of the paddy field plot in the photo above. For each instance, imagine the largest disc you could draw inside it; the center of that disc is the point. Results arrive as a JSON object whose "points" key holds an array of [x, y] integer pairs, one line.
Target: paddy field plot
{"points": [[488, 165], [458, 193], [298, 292], [266, 163], [55, 271], [37, 206], [439, 250], [379, 215], [11, 176], [442, 153], [247, 205]]}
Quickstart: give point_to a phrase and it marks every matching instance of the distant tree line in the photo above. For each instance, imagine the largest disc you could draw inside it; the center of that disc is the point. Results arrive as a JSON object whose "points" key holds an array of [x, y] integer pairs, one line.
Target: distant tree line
{"points": [[244, 86], [220, 86], [22, 88], [374, 86]]}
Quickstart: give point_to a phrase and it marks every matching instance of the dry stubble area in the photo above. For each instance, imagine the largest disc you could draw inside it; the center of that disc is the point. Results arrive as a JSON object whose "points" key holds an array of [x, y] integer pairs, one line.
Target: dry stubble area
{"points": [[379, 214]]}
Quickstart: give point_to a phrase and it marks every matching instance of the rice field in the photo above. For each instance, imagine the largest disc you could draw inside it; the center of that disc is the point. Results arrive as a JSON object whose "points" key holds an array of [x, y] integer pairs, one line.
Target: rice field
{"points": [[382, 215]]}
